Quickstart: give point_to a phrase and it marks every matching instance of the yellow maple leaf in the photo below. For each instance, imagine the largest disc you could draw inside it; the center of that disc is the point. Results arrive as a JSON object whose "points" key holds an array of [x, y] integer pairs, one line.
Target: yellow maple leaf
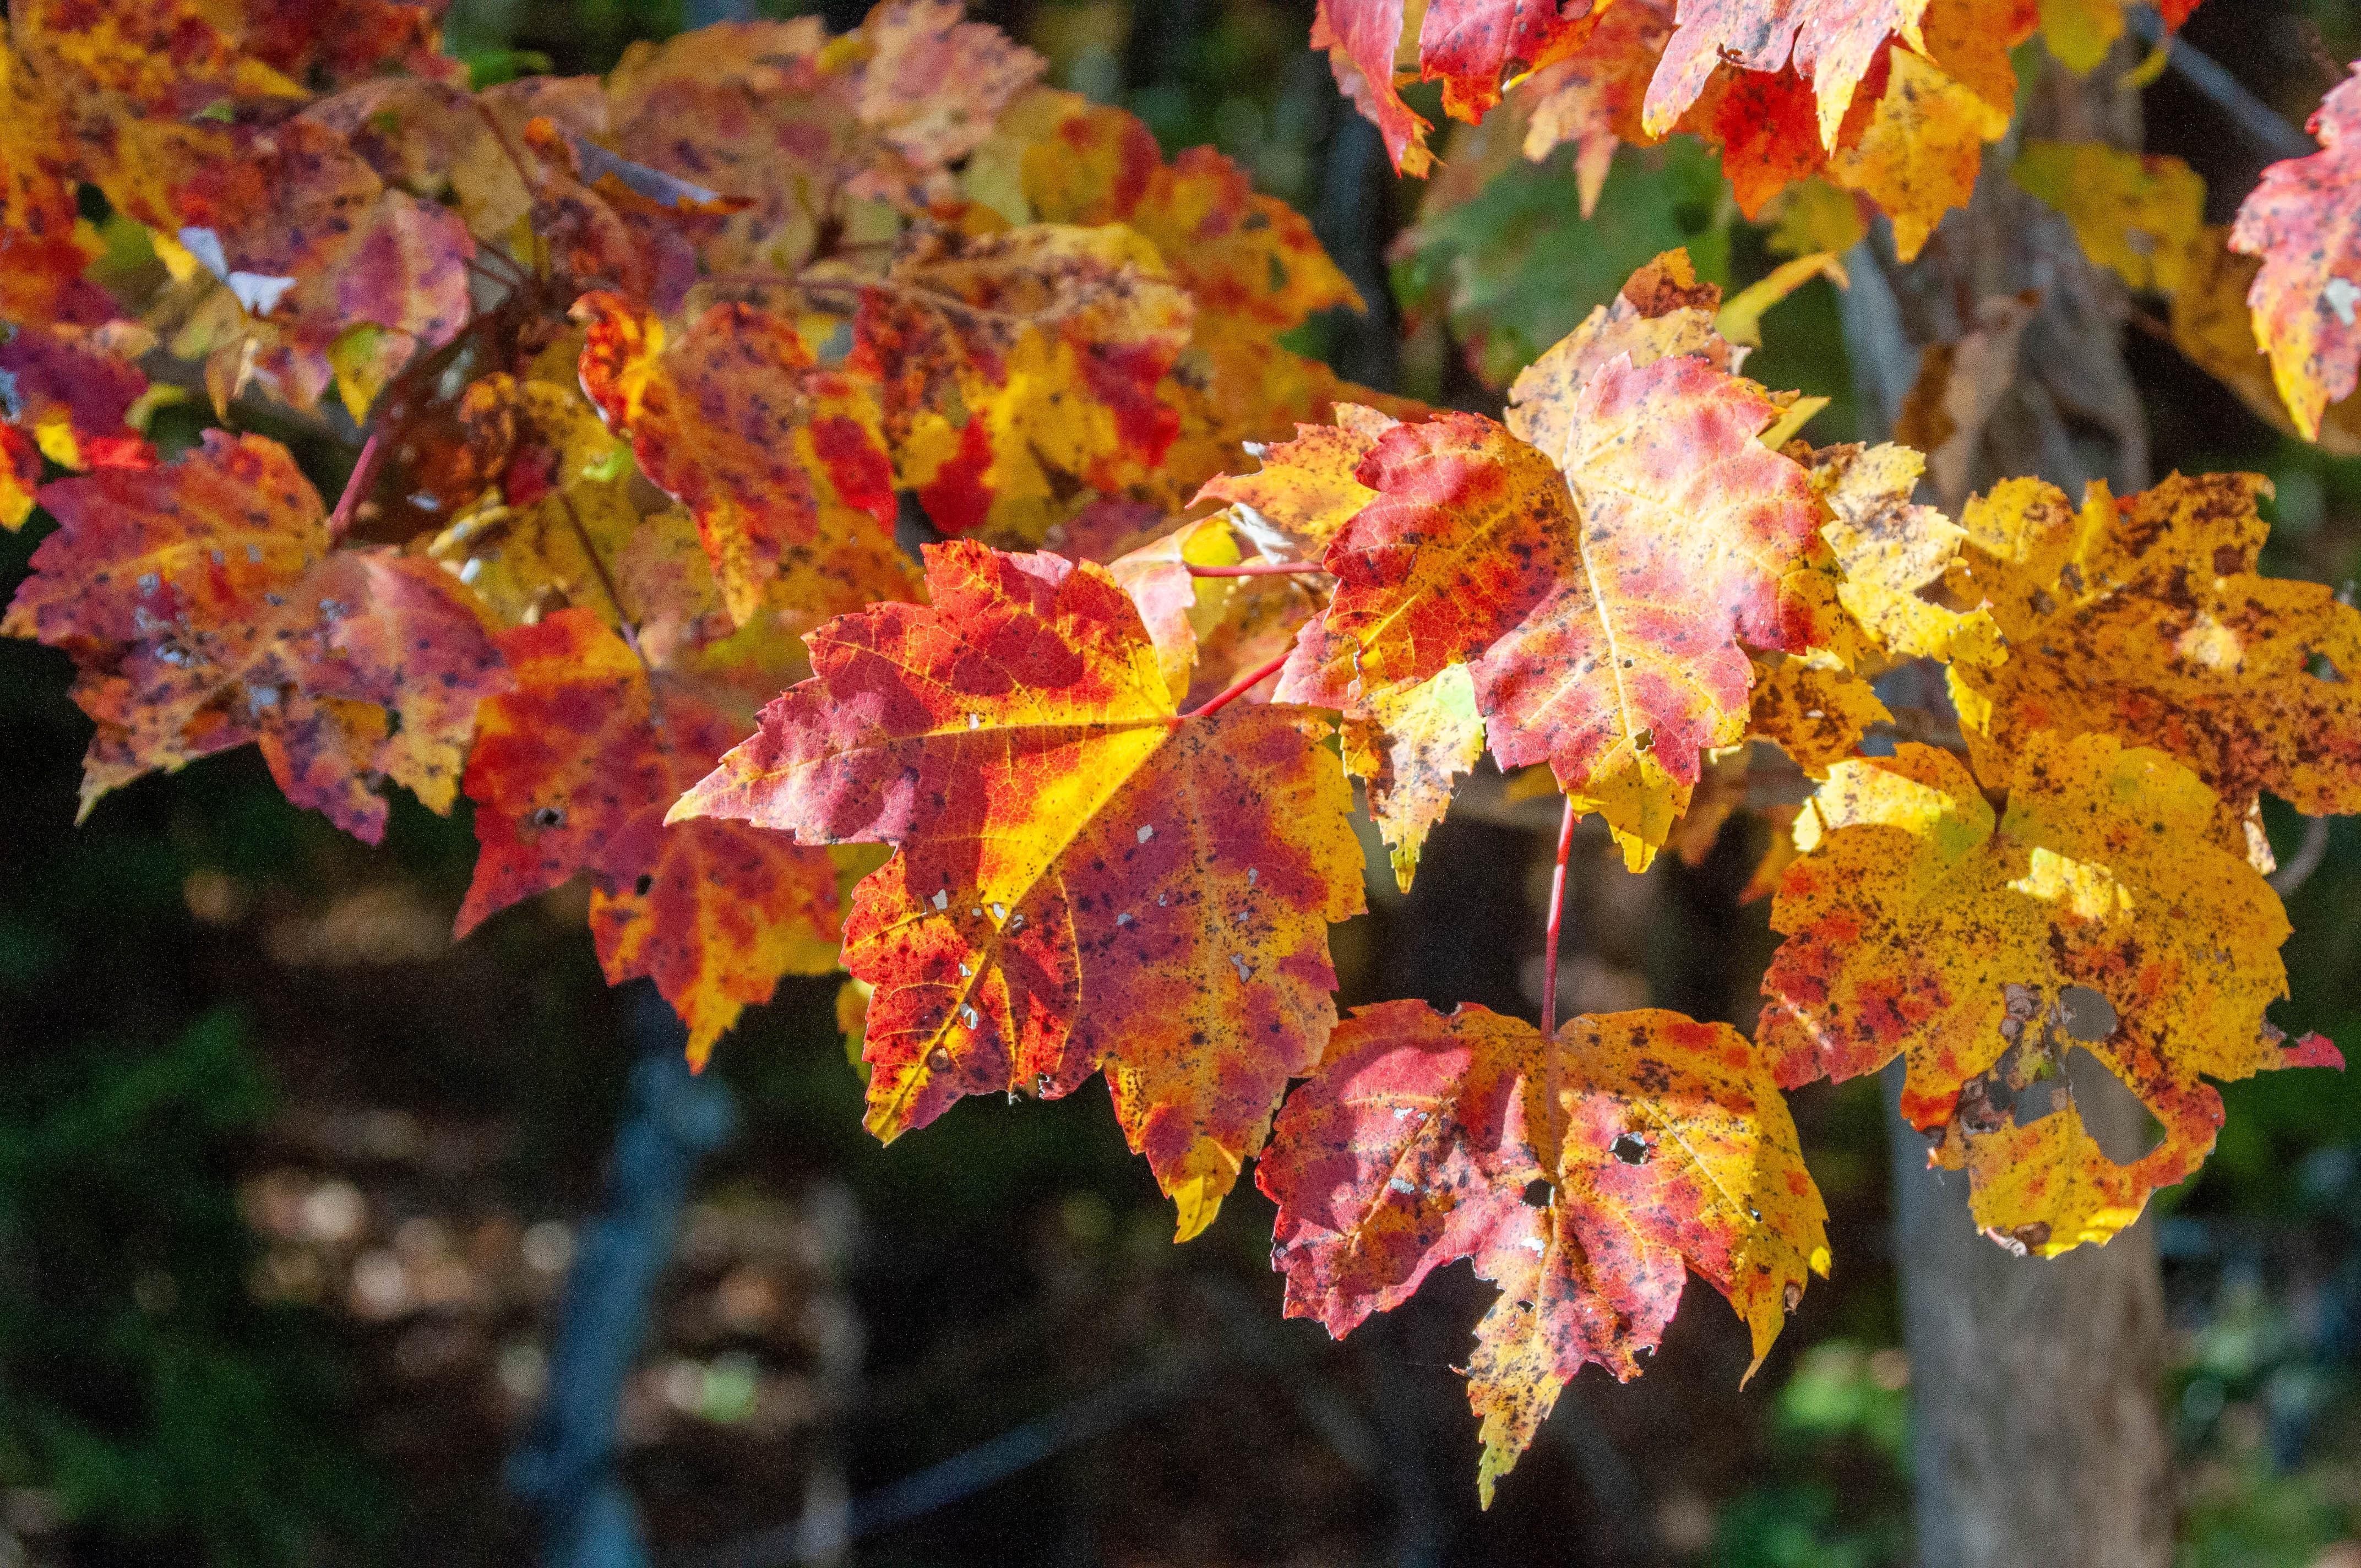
{"points": [[1921, 924], [2146, 618]]}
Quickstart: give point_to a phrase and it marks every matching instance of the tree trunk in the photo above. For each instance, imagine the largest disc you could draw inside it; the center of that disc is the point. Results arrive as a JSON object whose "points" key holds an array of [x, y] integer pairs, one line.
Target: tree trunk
{"points": [[2038, 1437]]}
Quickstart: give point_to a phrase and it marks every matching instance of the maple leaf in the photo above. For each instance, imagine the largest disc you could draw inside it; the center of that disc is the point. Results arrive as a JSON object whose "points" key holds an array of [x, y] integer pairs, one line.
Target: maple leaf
{"points": [[1893, 552], [2080, 32], [1410, 748], [2304, 220], [1921, 144], [1361, 37], [573, 771], [67, 394], [1922, 926], [1815, 711], [1407, 745], [1021, 367], [2140, 215], [1832, 44], [204, 608], [1592, 96], [1307, 488], [43, 247], [1600, 592], [2146, 618], [549, 508], [1084, 879], [2212, 326], [1664, 1147], [781, 462], [930, 83]]}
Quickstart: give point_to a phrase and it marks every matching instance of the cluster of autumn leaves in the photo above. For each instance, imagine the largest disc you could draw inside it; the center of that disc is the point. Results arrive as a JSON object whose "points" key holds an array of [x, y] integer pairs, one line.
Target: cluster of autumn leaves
{"points": [[646, 369]]}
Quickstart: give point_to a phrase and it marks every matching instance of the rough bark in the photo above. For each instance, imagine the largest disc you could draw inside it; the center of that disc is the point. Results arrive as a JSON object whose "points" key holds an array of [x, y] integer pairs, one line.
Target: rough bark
{"points": [[2039, 1438]]}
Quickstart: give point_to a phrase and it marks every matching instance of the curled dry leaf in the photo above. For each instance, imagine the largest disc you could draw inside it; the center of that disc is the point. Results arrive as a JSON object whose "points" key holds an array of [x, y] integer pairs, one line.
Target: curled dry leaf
{"points": [[1585, 1175], [1084, 878], [1921, 924]]}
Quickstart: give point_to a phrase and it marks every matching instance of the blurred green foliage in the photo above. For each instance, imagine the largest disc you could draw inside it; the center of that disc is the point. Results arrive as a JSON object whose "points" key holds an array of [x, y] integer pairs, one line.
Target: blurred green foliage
{"points": [[142, 1392]]}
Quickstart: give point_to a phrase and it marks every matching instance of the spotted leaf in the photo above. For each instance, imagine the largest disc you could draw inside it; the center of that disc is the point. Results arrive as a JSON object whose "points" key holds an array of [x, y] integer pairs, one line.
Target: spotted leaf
{"points": [[1923, 925], [1585, 1175], [1084, 879]]}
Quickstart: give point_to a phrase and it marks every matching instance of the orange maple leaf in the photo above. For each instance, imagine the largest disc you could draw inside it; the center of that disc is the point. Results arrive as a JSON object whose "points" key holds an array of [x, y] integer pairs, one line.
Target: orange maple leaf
{"points": [[1585, 1175], [573, 771], [1085, 878], [780, 462]]}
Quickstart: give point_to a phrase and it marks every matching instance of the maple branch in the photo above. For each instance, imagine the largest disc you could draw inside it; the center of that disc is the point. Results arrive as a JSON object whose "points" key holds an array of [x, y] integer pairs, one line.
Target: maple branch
{"points": [[1238, 687], [1556, 919], [2305, 861], [1258, 569], [2225, 92]]}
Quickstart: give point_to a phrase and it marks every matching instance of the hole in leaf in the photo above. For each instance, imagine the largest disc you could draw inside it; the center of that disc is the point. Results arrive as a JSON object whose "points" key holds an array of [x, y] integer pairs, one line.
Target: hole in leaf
{"points": [[549, 816], [2089, 1016], [1538, 1194], [1630, 1148], [647, 880], [2112, 1116]]}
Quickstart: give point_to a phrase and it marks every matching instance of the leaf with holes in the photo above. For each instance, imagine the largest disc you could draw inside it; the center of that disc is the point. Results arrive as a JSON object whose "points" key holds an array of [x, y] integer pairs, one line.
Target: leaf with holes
{"points": [[2144, 619], [1585, 1175], [1924, 925], [1085, 879]]}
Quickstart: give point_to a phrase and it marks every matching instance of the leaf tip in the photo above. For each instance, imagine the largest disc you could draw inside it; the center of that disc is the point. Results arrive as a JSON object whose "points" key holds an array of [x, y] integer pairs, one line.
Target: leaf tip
{"points": [[1198, 1203]]}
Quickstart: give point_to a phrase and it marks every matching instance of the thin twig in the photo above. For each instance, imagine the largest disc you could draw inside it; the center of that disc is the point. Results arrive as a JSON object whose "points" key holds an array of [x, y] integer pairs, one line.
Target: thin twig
{"points": [[1258, 569], [358, 483], [1237, 689], [2305, 861], [1556, 917], [2226, 92]]}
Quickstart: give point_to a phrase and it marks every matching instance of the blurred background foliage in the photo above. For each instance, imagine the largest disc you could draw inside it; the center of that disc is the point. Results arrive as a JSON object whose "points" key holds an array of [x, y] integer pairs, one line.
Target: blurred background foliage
{"points": [[288, 1182]]}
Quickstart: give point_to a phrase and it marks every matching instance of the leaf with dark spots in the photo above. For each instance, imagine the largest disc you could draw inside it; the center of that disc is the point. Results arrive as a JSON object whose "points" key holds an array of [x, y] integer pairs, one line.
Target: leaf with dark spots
{"points": [[780, 462], [572, 774], [204, 610], [1085, 879], [1920, 925], [1585, 1175]]}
